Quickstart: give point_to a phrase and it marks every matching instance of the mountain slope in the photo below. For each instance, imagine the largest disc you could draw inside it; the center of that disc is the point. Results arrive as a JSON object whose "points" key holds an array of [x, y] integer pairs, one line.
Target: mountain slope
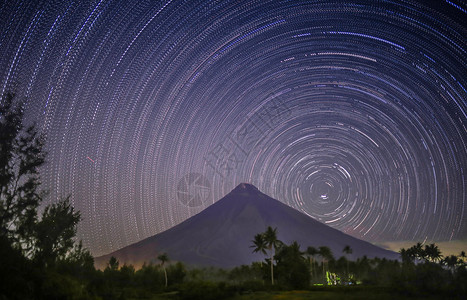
{"points": [[221, 234]]}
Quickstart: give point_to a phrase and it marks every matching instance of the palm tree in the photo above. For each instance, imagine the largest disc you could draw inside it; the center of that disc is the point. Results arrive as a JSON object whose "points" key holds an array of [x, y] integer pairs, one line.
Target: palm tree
{"points": [[295, 247], [432, 252], [326, 254], [419, 251], [347, 250], [451, 261], [272, 243], [311, 251], [462, 256], [259, 243], [164, 258]]}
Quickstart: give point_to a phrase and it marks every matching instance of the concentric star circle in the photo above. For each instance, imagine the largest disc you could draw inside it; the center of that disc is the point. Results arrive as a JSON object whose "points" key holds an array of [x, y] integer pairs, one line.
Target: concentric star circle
{"points": [[353, 112]]}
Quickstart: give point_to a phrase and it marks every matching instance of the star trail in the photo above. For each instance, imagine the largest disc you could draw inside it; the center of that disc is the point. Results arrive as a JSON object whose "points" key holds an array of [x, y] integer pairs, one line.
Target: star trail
{"points": [[353, 112]]}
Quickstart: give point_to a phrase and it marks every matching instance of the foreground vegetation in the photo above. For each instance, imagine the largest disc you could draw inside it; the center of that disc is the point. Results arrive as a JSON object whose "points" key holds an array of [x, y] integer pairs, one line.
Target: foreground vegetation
{"points": [[41, 259]]}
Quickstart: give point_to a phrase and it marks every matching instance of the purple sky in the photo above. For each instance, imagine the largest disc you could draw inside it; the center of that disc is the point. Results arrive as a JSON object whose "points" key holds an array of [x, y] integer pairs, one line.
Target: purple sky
{"points": [[353, 112]]}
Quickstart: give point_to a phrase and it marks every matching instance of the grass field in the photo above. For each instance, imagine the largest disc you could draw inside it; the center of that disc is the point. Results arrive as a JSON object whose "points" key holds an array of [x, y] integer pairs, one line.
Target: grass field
{"points": [[321, 293], [338, 293]]}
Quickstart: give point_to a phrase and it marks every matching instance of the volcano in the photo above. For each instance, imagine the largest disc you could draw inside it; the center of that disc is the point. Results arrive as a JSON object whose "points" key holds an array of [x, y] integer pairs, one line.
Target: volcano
{"points": [[221, 234]]}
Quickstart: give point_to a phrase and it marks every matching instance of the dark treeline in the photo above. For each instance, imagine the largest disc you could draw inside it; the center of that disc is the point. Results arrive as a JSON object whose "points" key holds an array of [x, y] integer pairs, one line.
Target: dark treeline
{"points": [[40, 257], [422, 269]]}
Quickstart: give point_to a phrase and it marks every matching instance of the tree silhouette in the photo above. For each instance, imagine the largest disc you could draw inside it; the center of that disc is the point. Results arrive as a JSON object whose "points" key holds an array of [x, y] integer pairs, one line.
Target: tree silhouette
{"points": [[21, 155], [36, 248], [462, 256], [113, 264], [451, 261], [406, 255], [259, 244], [326, 253], [164, 258], [270, 237], [55, 232], [432, 252], [311, 252], [347, 250], [292, 268], [419, 252]]}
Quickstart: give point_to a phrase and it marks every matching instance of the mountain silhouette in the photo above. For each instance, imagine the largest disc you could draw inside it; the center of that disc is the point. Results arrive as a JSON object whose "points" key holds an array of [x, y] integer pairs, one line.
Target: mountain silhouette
{"points": [[221, 234]]}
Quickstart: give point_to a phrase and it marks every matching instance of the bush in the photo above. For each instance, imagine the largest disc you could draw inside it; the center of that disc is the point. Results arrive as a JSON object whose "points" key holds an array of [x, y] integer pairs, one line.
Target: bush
{"points": [[59, 286], [16, 276], [205, 290]]}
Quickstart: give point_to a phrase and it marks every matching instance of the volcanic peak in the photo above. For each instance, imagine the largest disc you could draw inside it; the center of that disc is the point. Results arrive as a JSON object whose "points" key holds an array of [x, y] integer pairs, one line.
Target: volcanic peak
{"points": [[245, 187], [221, 234]]}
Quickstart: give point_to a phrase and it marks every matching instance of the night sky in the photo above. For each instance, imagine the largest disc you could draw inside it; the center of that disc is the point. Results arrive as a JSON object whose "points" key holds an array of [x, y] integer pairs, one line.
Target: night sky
{"points": [[353, 112]]}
